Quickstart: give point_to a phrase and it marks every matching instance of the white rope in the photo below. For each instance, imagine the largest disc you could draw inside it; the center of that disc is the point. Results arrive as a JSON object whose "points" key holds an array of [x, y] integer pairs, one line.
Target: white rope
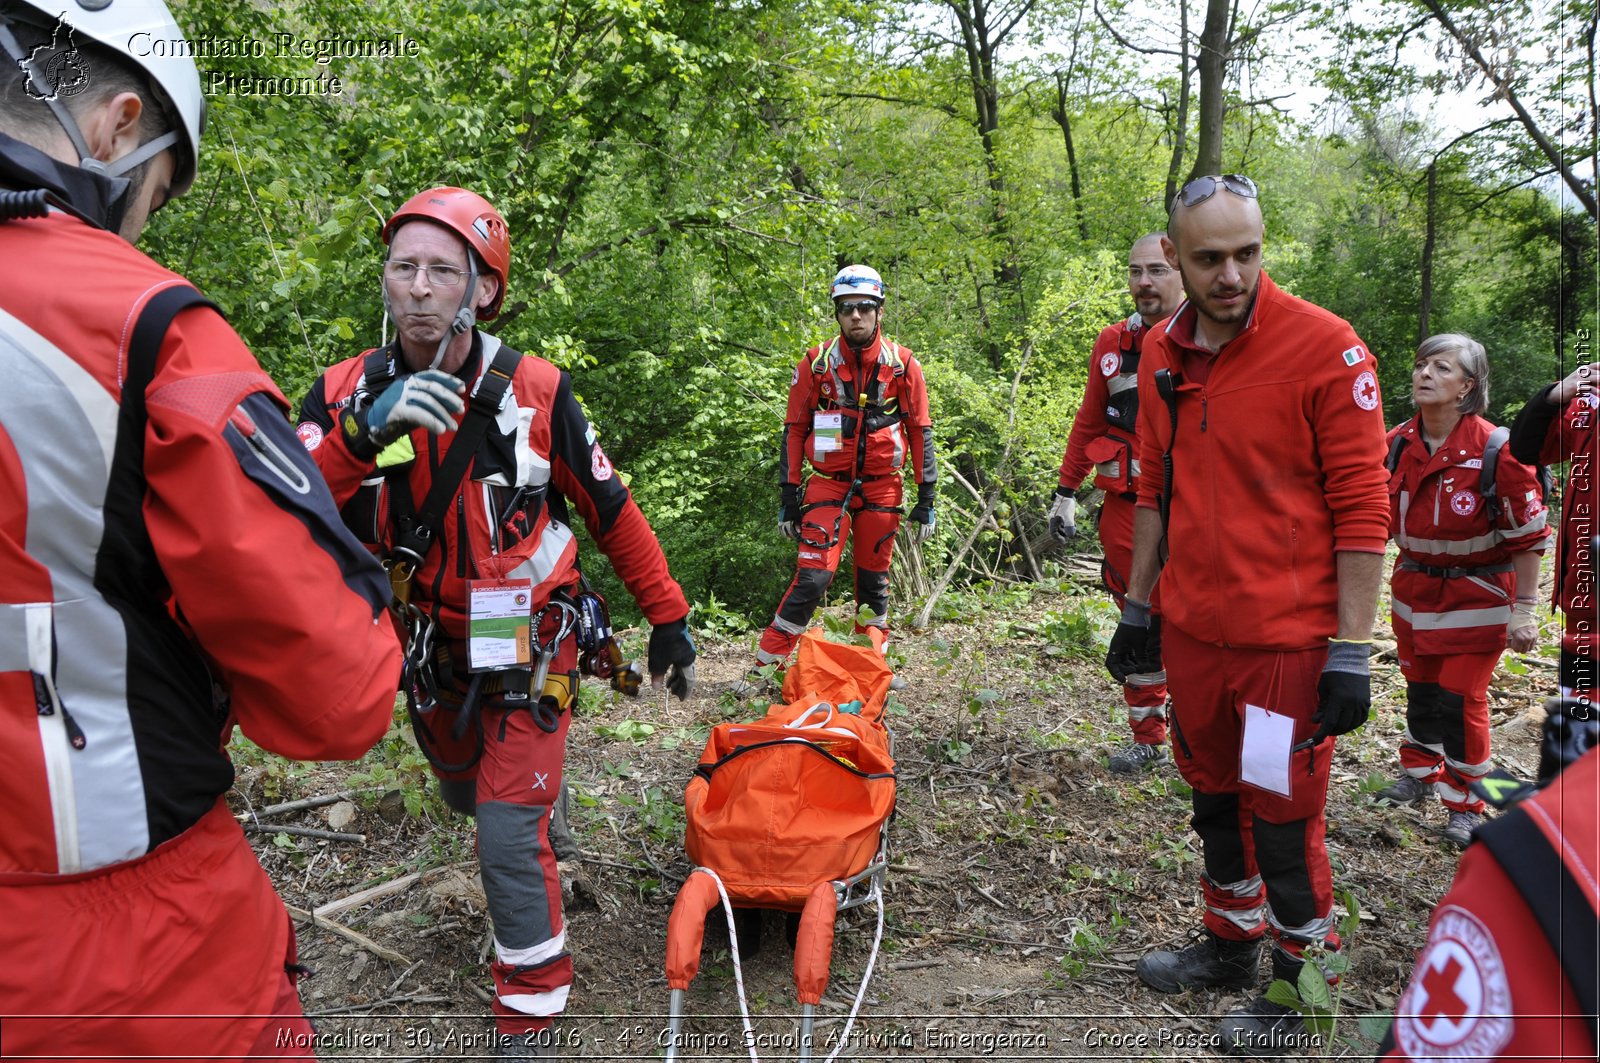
{"points": [[876, 894], [738, 972]]}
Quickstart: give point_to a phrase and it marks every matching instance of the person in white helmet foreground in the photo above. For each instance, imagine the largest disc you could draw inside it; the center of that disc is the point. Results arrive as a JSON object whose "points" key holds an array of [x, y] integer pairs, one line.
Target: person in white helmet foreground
{"points": [[858, 415], [171, 564]]}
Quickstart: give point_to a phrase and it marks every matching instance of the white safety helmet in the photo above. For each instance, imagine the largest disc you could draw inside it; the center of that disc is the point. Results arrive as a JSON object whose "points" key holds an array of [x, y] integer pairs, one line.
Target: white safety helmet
{"points": [[146, 35], [857, 280]]}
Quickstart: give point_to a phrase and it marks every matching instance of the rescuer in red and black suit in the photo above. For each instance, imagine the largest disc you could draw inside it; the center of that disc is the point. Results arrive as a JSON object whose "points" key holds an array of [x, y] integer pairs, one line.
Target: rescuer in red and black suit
{"points": [[1470, 523], [858, 416], [1105, 440], [384, 426]]}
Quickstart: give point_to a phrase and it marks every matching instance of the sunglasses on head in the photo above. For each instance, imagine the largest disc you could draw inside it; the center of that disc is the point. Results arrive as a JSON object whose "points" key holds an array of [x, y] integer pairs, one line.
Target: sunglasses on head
{"points": [[846, 307], [1203, 188]]}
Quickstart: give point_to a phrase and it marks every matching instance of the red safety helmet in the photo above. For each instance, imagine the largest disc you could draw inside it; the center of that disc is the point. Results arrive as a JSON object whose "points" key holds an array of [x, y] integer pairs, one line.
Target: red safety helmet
{"points": [[470, 217]]}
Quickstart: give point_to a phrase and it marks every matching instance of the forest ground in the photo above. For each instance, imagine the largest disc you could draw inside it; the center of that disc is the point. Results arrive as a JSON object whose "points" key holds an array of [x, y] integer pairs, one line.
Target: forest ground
{"points": [[1025, 881]]}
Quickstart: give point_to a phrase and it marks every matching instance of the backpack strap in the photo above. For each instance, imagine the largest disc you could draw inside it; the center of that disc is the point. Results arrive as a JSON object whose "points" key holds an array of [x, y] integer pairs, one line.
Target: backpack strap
{"points": [[1551, 893], [1167, 387], [1491, 459], [377, 371], [1396, 445]]}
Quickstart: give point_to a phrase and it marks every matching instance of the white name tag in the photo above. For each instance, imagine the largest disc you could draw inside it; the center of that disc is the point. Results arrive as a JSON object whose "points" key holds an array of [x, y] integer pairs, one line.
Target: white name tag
{"points": [[1268, 744], [827, 430], [498, 617]]}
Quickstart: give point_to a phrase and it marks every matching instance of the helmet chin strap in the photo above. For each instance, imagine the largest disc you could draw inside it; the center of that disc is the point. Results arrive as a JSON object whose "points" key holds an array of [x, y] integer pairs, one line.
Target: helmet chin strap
{"points": [[466, 314]]}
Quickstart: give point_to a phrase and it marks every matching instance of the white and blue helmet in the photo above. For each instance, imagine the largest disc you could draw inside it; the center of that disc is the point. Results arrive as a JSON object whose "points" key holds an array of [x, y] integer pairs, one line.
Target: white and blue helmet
{"points": [[857, 280]]}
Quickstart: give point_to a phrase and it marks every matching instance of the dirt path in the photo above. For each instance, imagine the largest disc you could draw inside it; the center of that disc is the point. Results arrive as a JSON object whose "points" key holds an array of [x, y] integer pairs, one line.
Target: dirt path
{"points": [[1027, 879]]}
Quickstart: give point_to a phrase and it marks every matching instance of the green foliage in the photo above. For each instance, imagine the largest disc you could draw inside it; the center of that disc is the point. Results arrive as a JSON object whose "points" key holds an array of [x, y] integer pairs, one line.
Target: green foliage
{"points": [[682, 178]]}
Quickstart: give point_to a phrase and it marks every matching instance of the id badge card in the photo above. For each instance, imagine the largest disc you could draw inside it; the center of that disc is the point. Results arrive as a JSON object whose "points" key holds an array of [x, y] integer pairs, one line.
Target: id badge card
{"points": [[1266, 751], [498, 621], [827, 429]]}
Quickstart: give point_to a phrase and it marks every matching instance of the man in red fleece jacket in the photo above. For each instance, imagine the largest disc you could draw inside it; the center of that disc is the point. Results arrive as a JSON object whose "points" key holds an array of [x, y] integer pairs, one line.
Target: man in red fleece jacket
{"points": [[1262, 441]]}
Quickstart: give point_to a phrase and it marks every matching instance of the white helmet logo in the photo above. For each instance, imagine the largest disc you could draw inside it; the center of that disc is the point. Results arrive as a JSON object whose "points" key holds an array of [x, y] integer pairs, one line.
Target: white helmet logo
{"points": [[55, 69]]}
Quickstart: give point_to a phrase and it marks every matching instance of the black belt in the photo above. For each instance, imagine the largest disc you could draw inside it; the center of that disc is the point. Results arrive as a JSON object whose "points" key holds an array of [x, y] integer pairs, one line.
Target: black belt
{"points": [[844, 477], [1455, 573]]}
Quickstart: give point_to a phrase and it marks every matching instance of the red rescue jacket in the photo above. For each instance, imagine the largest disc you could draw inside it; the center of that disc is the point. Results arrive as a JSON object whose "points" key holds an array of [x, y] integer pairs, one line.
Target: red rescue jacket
{"points": [[142, 574], [1278, 465], [1488, 985], [831, 412], [1452, 585], [1105, 429], [1547, 435], [509, 517]]}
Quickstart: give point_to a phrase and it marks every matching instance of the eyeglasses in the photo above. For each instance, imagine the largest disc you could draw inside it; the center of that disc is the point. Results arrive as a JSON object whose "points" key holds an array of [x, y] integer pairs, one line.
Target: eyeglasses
{"points": [[1155, 273], [1203, 188], [440, 275], [846, 307]]}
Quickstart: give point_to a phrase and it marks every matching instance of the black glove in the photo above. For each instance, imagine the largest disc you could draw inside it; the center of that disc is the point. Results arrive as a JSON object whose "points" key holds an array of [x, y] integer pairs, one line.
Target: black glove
{"points": [[789, 512], [1344, 693], [672, 649], [1136, 645]]}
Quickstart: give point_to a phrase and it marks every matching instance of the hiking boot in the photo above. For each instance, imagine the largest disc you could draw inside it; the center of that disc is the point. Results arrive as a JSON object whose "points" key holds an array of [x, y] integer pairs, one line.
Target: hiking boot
{"points": [[1406, 790], [1262, 1029], [562, 841], [1459, 827], [1211, 961], [540, 1044], [1136, 755]]}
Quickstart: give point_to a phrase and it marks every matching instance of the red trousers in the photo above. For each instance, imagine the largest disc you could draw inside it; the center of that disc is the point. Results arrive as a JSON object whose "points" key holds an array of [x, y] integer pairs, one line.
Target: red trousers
{"points": [[1260, 848], [869, 525], [180, 954], [1447, 720], [513, 788], [1145, 695]]}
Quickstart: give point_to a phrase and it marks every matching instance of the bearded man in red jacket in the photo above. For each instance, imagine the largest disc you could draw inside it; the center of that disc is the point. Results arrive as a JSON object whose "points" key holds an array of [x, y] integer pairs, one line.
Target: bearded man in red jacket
{"points": [[1262, 445]]}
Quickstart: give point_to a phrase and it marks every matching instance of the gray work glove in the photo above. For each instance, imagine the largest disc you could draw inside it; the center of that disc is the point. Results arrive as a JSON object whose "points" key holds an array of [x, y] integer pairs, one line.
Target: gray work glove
{"points": [[1063, 516], [430, 399], [789, 513]]}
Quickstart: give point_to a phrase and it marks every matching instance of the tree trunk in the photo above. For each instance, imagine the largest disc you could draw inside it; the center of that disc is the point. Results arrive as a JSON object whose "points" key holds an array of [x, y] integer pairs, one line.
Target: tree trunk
{"points": [[1180, 133], [1213, 64], [1065, 122], [1425, 304]]}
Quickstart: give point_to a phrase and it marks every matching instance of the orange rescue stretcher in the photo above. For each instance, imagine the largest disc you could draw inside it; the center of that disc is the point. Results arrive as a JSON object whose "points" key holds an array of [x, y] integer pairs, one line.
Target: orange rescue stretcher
{"points": [[791, 812]]}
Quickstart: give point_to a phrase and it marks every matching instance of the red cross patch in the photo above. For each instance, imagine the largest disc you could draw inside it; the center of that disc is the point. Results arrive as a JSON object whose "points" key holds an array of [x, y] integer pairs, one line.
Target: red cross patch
{"points": [[1458, 1005], [310, 434], [1365, 390], [1464, 503], [1110, 362], [599, 464]]}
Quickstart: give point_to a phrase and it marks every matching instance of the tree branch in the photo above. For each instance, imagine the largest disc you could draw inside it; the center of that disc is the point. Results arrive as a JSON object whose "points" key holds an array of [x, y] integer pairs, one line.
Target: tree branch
{"points": [[945, 107], [1583, 195]]}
